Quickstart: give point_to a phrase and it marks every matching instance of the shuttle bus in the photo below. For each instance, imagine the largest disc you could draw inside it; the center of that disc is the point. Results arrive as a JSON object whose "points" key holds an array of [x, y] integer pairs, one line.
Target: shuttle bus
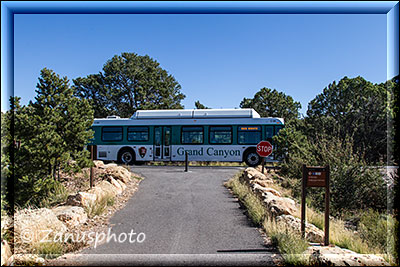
{"points": [[167, 135]]}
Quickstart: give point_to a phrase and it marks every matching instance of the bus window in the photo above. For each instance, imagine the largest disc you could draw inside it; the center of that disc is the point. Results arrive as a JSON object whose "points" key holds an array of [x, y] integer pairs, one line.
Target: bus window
{"points": [[249, 135], [138, 133], [220, 135], [192, 135], [269, 132], [111, 134]]}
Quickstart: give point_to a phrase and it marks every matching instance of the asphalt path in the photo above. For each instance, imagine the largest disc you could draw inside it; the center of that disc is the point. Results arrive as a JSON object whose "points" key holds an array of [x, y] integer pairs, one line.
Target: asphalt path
{"points": [[182, 218]]}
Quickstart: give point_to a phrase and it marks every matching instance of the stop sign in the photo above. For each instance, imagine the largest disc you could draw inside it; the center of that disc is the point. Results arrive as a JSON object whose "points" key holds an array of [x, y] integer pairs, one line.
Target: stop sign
{"points": [[264, 148]]}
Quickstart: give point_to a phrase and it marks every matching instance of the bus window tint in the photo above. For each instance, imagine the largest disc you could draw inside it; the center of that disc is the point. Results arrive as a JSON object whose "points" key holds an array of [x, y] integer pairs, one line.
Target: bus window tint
{"points": [[220, 135], [138, 134], [192, 135], [249, 135], [111, 134], [269, 132]]}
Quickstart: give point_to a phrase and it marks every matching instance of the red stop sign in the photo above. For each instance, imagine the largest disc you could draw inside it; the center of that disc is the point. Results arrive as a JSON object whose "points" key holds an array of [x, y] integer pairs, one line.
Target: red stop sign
{"points": [[264, 148]]}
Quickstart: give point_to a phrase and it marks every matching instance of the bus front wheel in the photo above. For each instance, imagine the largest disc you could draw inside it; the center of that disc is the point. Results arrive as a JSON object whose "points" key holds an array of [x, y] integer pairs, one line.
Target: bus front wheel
{"points": [[126, 156], [252, 159]]}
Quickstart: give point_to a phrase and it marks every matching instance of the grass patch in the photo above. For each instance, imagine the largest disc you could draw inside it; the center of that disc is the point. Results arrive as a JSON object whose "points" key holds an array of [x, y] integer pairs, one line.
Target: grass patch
{"points": [[58, 195], [137, 177], [316, 218], [290, 244], [98, 207], [49, 250]]}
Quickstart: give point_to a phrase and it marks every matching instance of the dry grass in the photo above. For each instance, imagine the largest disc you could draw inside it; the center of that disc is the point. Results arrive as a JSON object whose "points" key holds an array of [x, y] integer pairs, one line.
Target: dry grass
{"points": [[98, 207], [289, 243], [48, 250]]}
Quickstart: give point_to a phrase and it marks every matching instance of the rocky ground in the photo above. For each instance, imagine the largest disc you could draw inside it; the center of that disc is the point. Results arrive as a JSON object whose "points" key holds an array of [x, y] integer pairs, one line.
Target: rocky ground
{"points": [[73, 217]]}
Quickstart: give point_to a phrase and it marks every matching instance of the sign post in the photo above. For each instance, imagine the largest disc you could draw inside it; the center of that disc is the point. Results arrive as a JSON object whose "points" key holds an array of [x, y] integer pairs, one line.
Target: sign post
{"points": [[315, 177], [264, 149], [91, 168]]}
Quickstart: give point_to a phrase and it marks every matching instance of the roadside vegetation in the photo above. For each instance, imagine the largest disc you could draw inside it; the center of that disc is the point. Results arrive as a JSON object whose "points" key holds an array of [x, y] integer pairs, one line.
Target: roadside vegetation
{"points": [[289, 243], [374, 236]]}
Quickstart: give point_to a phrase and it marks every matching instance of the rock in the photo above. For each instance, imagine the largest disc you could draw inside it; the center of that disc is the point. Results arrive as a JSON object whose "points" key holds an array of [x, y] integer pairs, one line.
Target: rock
{"points": [[99, 164], [335, 256], [33, 225], [28, 260], [273, 191], [82, 199], [264, 183], [279, 205], [312, 234], [5, 253], [117, 186], [249, 173], [70, 215], [123, 185], [118, 172], [259, 189], [107, 188]]}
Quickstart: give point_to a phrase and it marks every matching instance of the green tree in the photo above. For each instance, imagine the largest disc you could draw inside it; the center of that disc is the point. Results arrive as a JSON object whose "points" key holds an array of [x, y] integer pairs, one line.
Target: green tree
{"points": [[130, 82], [198, 105], [354, 107], [52, 130], [271, 103]]}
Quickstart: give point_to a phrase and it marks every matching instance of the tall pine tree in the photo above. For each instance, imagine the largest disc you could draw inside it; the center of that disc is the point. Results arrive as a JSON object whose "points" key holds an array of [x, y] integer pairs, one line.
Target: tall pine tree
{"points": [[52, 130]]}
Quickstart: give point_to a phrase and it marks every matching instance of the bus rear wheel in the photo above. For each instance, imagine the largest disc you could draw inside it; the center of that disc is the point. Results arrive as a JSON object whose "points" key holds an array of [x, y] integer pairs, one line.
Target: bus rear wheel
{"points": [[252, 159], [126, 156]]}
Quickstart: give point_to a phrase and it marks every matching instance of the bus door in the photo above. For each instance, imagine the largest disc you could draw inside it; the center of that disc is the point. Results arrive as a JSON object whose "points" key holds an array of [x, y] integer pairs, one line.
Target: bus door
{"points": [[162, 143]]}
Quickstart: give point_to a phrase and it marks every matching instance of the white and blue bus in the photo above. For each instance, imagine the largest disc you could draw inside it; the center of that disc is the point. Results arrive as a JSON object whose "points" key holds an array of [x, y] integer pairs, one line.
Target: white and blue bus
{"points": [[167, 135]]}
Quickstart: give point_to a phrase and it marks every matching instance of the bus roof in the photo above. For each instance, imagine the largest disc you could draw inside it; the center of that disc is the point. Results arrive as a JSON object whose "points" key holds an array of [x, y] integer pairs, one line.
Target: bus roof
{"points": [[195, 113], [190, 117]]}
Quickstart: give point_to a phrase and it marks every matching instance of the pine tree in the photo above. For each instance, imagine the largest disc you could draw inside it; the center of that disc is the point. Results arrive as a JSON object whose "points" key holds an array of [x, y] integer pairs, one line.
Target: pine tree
{"points": [[52, 130]]}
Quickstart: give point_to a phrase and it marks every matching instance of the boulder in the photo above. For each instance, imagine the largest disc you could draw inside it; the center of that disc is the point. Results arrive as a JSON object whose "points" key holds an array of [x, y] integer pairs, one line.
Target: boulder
{"points": [[118, 172], [264, 183], [82, 199], [107, 188], [5, 253], [249, 173], [279, 205], [312, 234], [99, 164], [33, 225], [335, 256], [28, 260], [122, 184], [260, 190], [117, 186], [70, 215]]}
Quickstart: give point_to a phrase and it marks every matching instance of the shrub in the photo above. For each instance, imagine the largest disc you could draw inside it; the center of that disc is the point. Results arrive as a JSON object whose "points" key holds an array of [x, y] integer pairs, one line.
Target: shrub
{"points": [[49, 250]]}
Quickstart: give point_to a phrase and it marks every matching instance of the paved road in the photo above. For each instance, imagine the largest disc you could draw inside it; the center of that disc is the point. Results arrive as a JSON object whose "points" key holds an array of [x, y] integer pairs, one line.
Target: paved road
{"points": [[186, 218]]}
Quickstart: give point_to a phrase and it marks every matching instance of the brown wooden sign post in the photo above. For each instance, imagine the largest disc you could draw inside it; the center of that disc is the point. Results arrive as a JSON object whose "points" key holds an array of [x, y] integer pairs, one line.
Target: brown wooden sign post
{"points": [[315, 177], [92, 157]]}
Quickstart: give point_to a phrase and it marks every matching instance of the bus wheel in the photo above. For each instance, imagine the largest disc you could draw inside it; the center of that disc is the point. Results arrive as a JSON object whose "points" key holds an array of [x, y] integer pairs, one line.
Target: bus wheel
{"points": [[252, 159], [126, 156]]}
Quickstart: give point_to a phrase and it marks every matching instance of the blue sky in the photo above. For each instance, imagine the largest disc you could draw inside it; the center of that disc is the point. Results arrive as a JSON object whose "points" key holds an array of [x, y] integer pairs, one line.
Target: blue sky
{"points": [[217, 59]]}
